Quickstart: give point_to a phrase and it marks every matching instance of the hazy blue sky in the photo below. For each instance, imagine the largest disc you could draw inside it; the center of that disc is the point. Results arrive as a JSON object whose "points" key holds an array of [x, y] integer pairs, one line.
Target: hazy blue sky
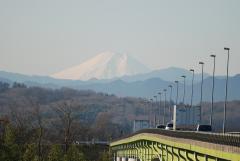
{"points": [[45, 36]]}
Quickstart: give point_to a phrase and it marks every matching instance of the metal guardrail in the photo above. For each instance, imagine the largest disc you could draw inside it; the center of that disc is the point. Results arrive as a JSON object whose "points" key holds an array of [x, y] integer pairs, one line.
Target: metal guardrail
{"points": [[92, 142], [216, 138]]}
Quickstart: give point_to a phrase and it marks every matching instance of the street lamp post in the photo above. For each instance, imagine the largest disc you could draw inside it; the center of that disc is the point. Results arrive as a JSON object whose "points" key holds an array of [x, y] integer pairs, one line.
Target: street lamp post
{"points": [[177, 92], [192, 70], [151, 123], [184, 93], [159, 108], [155, 98], [170, 101], [145, 109], [213, 86], [165, 97], [226, 92], [155, 122], [200, 115], [184, 88]]}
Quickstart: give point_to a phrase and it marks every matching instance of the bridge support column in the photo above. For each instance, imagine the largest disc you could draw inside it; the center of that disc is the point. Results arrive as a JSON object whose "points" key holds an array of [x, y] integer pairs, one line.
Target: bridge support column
{"points": [[124, 159]]}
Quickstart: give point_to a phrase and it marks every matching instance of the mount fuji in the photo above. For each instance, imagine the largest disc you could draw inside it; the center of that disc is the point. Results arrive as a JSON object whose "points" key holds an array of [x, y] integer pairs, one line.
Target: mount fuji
{"points": [[106, 65]]}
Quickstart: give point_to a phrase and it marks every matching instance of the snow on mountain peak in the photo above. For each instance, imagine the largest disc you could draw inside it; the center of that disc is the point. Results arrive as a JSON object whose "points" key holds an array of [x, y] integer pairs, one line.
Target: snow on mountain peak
{"points": [[106, 65]]}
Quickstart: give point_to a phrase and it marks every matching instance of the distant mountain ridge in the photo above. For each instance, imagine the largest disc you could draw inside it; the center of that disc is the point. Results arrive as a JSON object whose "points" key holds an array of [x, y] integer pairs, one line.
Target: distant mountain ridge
{"points": [[167, 74], [150, 87], [107, 65], [140, 88]]}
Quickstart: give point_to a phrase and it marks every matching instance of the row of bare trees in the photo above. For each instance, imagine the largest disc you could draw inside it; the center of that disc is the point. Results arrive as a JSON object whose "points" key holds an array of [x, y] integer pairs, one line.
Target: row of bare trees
{"points": [[29, 131]]}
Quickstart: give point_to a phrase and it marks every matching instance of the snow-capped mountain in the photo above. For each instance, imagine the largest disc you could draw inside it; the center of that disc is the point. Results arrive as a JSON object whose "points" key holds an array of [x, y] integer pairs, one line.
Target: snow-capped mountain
{"points": [[105, 65]]}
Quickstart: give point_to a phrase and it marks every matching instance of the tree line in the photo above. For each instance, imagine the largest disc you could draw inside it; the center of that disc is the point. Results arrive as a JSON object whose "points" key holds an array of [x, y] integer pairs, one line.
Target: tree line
{"points": [[45, 124]]}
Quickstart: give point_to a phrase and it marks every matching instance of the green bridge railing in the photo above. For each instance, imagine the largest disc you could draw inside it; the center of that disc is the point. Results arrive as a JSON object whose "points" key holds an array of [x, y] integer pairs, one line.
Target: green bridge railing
{"points": [[164, 145]]}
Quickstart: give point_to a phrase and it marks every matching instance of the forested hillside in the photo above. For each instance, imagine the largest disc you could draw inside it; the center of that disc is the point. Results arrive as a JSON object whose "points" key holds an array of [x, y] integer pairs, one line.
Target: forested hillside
{"points": [[33, 117], [43, 124], [100, 116]]}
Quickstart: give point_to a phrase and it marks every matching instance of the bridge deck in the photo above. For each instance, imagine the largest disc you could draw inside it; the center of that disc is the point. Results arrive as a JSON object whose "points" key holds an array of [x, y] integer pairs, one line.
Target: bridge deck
{"points": [[217, 145], [216, 138]]}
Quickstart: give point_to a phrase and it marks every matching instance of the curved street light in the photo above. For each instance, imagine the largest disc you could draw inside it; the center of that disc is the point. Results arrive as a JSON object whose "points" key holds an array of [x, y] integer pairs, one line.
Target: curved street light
{"points": [[177, 92], [150, 113], [154, 111], [226, 92], [192, 70], [184, 88], [165, 97], [170, 101], [184, 93], [145, 105], [159, 112], [213, 86], [200, 115]]}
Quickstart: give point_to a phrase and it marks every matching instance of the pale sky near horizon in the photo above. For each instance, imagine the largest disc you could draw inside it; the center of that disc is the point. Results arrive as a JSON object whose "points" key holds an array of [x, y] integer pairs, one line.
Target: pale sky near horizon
{"points": [[42, 37]]}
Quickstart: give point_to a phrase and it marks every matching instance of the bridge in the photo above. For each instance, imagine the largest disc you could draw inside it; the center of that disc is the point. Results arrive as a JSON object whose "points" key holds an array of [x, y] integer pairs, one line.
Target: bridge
{"points": [[164, 145], [93, 142]]}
